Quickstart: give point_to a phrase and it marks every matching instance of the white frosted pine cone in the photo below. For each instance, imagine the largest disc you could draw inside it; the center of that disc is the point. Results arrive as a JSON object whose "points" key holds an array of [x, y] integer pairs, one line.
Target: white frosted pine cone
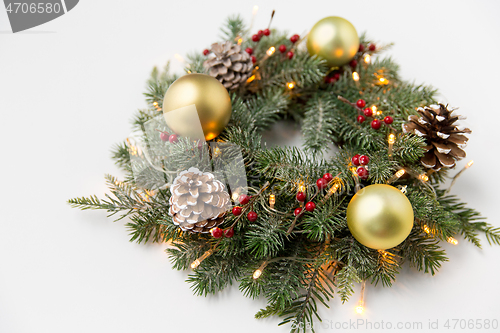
{"points": [[198, 202]]}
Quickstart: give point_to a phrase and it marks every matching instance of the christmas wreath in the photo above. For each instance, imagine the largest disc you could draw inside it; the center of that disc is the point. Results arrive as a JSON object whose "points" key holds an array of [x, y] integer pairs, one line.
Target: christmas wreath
{"points": [[291, 225]]}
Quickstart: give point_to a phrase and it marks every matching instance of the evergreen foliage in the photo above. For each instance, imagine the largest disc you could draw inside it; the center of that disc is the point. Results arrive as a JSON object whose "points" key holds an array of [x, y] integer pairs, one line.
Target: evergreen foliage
{"points": [[299, 273]]}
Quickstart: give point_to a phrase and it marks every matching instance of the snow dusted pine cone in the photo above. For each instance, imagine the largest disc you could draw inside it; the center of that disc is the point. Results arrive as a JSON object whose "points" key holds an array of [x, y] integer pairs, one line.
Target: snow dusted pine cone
{"points": [[230, 65], [444, 139], [199, 202]]}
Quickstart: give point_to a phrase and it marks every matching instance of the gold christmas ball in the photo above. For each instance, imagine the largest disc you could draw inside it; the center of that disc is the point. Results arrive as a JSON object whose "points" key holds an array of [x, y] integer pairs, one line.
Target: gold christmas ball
{"points": [[212, 102], [380, 216], [334, 39]]}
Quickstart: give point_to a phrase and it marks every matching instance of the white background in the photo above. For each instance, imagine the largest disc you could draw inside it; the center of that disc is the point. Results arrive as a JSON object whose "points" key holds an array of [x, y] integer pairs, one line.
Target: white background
{"points": [[68, 90]]}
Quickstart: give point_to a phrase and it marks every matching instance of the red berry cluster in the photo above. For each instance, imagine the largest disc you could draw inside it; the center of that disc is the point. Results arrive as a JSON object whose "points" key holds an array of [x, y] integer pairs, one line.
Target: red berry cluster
{"points": [[282, 48], [260, 33], [218, 232], [332, 78], [237, 210], [165, 136], [301, 196], [376, 123], [361, 161]]}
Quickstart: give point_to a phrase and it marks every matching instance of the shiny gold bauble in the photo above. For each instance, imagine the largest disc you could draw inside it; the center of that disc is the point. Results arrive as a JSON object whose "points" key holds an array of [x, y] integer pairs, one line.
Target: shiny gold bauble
{"points": [[380, 216], [211, 100], [334, 39]]}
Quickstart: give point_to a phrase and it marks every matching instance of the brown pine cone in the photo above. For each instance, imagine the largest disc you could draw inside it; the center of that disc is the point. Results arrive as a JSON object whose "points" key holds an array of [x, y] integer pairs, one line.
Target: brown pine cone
{"points": [[444, 139], [230, 65], [199, 202]]}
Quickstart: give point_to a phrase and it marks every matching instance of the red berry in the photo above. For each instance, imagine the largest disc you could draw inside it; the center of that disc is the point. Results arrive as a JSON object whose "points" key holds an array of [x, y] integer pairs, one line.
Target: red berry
{"points": [[372, 47], [254, 60], [282, 48], [173, 138], [361, 103], [362, 172], [252, 216], [301, 196], [290, 54], [260, 33], [328, 177], [336, 76], [249, 50], [353, 63], [229, 233], [244, 199], [388, 120], [310, 206], [237, 210], [329, 79], [321, 183], [364, 160], [361, 48], [355, 159], [216, 232], [255, 38], [267, 32], [206, 52], [376, 124], [297, 211], [295, 38], [361, 119], [164, 136], [368, 112]]}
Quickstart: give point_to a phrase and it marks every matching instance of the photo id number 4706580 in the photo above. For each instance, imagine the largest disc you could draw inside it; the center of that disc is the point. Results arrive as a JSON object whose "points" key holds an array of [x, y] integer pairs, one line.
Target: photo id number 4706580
{"points": [[470, 324], [40, 7]]}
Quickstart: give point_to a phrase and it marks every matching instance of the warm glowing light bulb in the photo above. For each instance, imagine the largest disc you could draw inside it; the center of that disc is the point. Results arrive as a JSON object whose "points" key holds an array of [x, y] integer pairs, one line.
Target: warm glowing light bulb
{"points": [[355, 76], [235, 196], [469, 164], [452, 240], [427, 230], [257, 274], [423, 177], [334, 188], [360, 308], [271, 51], [155, 103], [217, 152], [251, 78], [240, 40], [302, 187], [290, 85], [374, 109], [255, 9], [272, 200], [391, 139], [383, 81], [368, 58], [400, 173], [195, 264]]}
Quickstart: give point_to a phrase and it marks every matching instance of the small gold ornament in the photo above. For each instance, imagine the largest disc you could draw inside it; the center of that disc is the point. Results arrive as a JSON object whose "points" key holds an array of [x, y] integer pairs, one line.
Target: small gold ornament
{"points": [[334, 39], [212, 102], [380, 216]]}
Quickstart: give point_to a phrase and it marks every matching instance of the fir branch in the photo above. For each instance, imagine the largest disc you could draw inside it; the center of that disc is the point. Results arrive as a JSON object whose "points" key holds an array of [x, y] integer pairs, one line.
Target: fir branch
{"points": [[422, 252], [318, 123], [387, 268], [234, 28], [215, 274], [345, 280]]}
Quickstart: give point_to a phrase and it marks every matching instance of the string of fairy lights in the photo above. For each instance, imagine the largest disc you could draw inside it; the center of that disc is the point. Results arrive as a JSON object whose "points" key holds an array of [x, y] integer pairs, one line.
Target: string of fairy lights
{"points": [[335, 184], [333, 187]]}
